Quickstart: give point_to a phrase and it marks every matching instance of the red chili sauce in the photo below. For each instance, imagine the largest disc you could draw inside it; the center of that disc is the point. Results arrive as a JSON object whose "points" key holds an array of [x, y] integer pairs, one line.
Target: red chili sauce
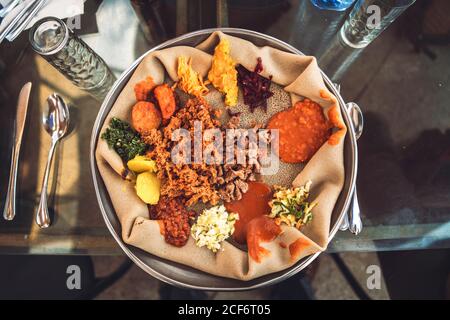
{"points": [[173, 219], [261, 229], [254, 203]]}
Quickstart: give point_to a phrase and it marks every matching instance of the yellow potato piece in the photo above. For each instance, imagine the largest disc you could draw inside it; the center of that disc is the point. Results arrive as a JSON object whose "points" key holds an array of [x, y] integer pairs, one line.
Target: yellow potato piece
{"points": [[141, 164], [148, 187]]}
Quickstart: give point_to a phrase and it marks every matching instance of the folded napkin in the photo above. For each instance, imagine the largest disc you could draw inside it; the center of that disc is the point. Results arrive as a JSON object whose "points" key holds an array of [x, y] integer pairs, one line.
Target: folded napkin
{"points": [[56, 8]]}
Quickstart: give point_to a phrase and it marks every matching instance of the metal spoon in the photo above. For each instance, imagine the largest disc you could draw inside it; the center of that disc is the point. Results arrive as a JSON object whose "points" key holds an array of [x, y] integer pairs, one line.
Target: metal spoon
{"points": [[354, 214], [352, 218], [56, 122]]}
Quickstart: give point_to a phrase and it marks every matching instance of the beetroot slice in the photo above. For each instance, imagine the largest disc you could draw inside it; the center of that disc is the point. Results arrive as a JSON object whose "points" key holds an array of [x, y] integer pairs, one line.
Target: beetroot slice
{"points": [[255, 88]]}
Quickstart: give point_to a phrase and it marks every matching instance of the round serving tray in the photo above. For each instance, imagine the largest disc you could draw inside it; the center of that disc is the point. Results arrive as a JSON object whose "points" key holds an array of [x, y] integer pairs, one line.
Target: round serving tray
{"points": [[187, 277]]}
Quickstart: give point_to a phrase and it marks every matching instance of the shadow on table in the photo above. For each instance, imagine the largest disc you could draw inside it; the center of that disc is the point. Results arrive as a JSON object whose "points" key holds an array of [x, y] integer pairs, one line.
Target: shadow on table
{"points": [[53, 277], [401, 185], [420, 274]]}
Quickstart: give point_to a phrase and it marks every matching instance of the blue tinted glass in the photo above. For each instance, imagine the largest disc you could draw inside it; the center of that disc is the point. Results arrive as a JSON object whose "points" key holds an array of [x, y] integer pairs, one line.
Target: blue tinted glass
{"points": [[338, 5]]}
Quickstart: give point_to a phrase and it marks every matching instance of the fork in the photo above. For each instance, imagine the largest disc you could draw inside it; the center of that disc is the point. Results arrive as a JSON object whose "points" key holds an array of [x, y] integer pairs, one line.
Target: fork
{"points": [[24, 12], [8, 8], [25, 21]]}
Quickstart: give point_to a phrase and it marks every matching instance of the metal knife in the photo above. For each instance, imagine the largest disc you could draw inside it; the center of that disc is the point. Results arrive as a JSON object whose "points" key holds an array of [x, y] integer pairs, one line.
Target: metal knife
{"points": [[22, 105]]}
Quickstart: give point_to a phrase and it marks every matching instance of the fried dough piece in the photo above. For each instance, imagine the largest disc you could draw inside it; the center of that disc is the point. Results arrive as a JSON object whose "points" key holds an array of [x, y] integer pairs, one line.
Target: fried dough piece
{"points": [[145, 117], [166, 100], [143, 88]]}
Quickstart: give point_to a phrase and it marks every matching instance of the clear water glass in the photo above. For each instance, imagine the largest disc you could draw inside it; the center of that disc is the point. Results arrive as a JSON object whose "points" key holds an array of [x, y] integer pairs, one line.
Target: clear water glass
{"points": [[54, 41], [369, 18], [314, 28]]}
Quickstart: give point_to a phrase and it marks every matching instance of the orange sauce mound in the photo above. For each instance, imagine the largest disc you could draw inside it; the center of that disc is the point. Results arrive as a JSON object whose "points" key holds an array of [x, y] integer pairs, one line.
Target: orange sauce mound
{"points": [[303, 129], [261, 229], [296, 247], [335, 119], [254, 203]]}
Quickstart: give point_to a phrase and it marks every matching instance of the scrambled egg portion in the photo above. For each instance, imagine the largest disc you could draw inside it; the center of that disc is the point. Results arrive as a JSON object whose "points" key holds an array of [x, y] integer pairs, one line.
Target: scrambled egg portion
{"points": [[213, 226], [223, 74], [189, 80]]}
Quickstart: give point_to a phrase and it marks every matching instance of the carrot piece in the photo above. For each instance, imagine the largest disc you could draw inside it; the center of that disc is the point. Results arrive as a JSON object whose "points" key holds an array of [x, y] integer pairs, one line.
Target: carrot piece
{"points": [[166, 100], [143, 88], [145, 117]]}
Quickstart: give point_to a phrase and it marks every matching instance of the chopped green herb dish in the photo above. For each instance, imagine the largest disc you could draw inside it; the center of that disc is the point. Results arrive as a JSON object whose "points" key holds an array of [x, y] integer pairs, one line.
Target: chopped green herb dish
{"points": [[123, 139], [291, 206]]}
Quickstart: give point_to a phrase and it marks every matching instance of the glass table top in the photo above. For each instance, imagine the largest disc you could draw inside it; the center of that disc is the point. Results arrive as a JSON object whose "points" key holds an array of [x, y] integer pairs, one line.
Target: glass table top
{"points": [[404, 152]]}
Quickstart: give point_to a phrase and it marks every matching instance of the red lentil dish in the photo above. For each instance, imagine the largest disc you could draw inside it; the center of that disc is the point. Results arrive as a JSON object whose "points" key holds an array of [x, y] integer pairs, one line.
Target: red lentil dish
{"points": [[303, 129], [185, 181]]}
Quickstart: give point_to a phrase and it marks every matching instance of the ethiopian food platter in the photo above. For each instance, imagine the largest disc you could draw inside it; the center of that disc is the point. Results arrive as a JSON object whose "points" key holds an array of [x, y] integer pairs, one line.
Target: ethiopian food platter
{"points": [[220, 160]]}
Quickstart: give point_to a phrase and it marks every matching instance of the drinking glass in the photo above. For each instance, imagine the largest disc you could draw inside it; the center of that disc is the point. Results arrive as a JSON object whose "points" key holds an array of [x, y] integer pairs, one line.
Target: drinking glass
{"points": [[54, 41], [366, 21], [369, 18]]}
